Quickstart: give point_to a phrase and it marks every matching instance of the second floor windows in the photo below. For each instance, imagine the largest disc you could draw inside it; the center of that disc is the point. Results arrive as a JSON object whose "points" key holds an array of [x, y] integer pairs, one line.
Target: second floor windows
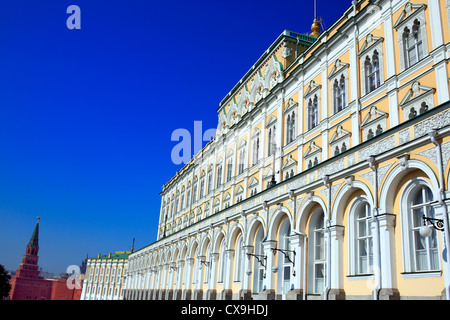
{"points": [[229, 169], [241, 161], [219, 176], [339, 94], [313, 112], [290, 128], [411, 35], [372, 72], [271, 141], [412, 41], [255, 150]]}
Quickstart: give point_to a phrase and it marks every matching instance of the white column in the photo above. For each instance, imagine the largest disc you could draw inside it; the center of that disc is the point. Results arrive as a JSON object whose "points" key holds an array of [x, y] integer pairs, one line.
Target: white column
{"points": [[229, 259], [336, 263], [246, 281], [214, 266], [354, 85], [297, 282], [269, 282], [436, 24], [189, 266]]}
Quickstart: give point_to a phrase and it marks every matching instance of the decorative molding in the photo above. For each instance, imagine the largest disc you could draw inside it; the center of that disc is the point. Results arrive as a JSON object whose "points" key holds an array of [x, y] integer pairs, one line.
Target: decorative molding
{"points": [[312, 88], [409, 11], [337, 68], [417, 100], [373, 123]]}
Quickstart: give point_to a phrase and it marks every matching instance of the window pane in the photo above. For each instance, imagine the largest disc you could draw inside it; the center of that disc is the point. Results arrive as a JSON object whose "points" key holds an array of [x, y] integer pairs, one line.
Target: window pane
{"points": [[319, 244], [417, 217], [319, 278]]}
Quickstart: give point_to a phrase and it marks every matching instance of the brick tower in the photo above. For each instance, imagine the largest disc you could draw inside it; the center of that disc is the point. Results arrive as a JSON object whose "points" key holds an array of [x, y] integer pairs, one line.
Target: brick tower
{"points": [[27, 284]]}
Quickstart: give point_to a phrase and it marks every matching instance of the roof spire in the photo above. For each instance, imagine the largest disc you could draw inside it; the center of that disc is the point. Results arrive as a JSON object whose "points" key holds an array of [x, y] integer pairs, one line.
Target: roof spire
{"points": [[34, 240]]}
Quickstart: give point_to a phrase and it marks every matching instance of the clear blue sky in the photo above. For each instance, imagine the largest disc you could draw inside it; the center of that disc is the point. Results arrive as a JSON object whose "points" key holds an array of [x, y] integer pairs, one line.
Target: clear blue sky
{"points": [[86, 116]]}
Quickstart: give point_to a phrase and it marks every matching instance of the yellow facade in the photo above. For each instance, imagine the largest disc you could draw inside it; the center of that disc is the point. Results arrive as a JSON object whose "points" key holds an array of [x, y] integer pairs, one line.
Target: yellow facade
{"points": [[360, 123]]}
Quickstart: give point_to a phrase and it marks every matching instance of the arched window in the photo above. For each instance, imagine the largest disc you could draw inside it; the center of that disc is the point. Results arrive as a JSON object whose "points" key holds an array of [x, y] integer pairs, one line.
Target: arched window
{"points": [[379, 129], [336, 150], [208, 264], [412, 41], [255, 150], [412, 113], [241, 161], [372, 70], [288, 131], [339, 94], [423, 252], [317, 253], [362, 237], [239, 264], [313, 112], [423, 107], [292, 127], [284, 262], [259, 270], [229, 169], [269, 143], [219, 176], [222, 261]]}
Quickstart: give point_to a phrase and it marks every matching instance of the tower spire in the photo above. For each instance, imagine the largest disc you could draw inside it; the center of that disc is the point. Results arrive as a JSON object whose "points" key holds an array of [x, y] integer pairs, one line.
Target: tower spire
{"points": [[34, 240]]}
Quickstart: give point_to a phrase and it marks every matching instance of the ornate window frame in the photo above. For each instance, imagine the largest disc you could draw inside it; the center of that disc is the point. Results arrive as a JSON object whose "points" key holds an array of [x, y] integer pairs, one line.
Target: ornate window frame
{"points": [[289, 167], [253, 186], [416, 99], [241, 157], [338, 73], [291, 121], [340, 140], [374, 123], [312, 93], [370, 46], [407, 240], [411, 13], [271, 128], [256, 146], [312, 155], [355, 206], [238, 193], [229, 166]]}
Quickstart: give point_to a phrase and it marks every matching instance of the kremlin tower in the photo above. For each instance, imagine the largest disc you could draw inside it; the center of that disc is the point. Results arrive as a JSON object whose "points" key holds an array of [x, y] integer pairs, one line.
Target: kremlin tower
{"points": [[27, 284]]}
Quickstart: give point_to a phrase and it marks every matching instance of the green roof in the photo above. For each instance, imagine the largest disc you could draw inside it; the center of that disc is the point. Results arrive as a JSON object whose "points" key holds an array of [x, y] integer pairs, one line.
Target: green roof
{"points": [[118, 255]]}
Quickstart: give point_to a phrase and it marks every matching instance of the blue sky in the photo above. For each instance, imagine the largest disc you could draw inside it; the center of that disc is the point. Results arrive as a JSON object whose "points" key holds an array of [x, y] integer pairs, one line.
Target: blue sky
{"points": [[86, 116]]}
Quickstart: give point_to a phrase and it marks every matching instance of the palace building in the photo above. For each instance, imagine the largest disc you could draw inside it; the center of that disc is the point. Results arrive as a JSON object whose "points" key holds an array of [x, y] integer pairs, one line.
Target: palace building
{"points": [[328, 176], [105, 276]]}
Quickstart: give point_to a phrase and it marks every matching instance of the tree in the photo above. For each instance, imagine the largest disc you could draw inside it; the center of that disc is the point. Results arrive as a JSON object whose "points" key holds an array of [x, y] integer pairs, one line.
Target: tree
{"points": [[5, 287]]}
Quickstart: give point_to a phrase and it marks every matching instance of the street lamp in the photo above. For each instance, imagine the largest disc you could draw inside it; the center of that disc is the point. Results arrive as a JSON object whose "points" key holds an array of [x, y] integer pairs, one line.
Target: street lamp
{"points": [[286, 255], [426, 230], [262, 262]]}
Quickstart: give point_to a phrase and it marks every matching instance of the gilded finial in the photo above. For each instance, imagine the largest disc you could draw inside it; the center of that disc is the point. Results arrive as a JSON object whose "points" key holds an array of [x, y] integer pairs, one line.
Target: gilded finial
{"points": [[315, 27]]}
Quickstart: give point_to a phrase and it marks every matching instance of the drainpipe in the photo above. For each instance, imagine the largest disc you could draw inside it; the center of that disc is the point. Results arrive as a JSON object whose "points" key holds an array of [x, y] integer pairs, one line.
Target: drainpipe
{"points": [[377, 260], [432, 134]]}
